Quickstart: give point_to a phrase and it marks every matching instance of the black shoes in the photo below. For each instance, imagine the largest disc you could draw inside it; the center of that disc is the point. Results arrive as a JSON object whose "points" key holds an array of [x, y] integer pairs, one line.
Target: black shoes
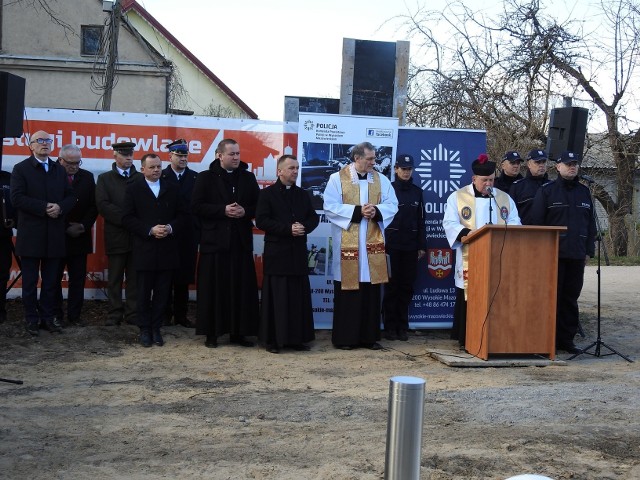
{"points": [[157, 338], [273, 349], [402, 335], [301, 347], [344, 347], [145, 338], [211, 341], [373, 346], [390, 335], [568, 347], [33, 329], [240, 340], [54, 326]]}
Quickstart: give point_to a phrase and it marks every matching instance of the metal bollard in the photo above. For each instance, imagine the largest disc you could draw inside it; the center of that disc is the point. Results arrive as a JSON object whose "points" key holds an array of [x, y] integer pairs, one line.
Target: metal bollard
{"points": [[404, 428]]}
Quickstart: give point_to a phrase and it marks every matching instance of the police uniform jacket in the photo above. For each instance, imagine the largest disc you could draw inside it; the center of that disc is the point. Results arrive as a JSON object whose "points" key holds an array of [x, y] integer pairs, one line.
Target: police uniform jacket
{"points": [[110, 193], [279, 208], [523, 191], [142, 212], [32, 188], [214, 190], [407, 230], [504, 182], [84, 212], [567, 203]]}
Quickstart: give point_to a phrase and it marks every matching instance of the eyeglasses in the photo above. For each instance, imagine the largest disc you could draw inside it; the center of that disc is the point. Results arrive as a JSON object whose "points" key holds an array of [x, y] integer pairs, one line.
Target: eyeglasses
{"points": [[42, 141], [71, 164]]}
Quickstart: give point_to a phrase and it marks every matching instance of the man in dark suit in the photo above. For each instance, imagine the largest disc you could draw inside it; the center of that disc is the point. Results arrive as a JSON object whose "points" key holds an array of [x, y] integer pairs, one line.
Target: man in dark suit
{"points": [[286, 215], [224, 201], [7, 222], [79, 241], [154, 213], [179, 173], [110, 193], [42, 197]]}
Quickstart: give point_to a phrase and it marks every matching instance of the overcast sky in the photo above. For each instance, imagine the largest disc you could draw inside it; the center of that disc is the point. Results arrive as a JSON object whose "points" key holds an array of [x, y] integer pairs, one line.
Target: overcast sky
{"points": [[264, 50]]}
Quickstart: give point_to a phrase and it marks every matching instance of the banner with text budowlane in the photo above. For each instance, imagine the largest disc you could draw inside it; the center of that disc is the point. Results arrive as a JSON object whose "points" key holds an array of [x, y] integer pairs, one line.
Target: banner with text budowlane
{"points": [[442, 165], [324, 145], [261, 144]]}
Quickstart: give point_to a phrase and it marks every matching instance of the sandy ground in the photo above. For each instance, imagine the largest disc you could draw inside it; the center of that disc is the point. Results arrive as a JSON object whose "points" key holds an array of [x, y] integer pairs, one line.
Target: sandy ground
{"points": [[95, 405]]}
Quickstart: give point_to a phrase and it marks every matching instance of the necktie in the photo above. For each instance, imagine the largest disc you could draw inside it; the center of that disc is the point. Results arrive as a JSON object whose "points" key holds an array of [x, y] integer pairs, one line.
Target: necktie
{"points": [[179, 176], [70, 179], [125, 174], [45, 165]]}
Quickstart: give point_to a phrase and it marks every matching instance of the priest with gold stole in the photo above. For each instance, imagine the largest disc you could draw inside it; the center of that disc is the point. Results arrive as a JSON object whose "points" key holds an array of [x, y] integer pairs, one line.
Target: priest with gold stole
{"points": [[360, 203], [468, 209]]}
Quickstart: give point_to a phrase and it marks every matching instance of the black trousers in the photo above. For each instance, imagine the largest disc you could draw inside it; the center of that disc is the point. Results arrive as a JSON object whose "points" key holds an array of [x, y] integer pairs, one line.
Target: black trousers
{"points": [[6, 258], [48, 270], [570, 281], [77, 275], [399, 291], [153, 290]]}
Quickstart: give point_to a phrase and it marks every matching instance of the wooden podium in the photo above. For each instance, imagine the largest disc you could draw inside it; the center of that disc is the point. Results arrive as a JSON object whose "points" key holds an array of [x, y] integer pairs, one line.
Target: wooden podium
{"points": [[511, 296]]}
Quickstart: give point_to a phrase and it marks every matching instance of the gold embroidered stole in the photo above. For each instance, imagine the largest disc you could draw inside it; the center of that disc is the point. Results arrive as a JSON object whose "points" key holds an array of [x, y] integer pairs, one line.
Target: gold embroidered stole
{"points": [[349, 251], [467, 214]]}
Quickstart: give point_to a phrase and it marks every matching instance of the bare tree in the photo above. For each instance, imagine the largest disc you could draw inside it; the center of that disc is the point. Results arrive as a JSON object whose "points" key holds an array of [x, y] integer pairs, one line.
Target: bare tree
{"points": [[501, 75]]}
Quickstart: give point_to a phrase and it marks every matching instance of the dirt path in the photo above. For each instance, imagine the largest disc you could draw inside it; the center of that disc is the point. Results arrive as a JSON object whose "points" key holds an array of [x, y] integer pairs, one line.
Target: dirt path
{"points": [[95, 405]]}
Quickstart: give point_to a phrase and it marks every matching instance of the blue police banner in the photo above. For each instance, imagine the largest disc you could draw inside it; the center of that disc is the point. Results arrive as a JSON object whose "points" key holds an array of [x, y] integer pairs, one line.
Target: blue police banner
{"points": [[442, 165]]}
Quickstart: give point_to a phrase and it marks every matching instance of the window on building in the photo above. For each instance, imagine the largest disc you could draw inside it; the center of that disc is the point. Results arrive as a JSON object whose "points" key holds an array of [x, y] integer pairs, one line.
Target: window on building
{"points": [[91, 35]]}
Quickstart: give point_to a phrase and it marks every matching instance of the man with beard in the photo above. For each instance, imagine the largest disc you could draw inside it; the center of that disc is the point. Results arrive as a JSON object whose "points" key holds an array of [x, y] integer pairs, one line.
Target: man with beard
{"points": [[179, 173], [406, 243], [359, 202], [566, 202], [524, 190], [224, 202], [285, 214], [469, 208]]}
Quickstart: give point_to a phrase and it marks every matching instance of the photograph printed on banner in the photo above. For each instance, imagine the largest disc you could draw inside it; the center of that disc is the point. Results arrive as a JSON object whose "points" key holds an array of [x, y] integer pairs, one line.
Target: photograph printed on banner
{"points": [[317, 255], [320, 160]]}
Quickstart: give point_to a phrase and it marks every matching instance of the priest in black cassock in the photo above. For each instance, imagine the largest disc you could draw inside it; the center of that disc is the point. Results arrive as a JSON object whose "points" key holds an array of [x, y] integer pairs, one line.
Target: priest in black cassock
{"points": [[286, 215], [224, 201], [360, 203]]}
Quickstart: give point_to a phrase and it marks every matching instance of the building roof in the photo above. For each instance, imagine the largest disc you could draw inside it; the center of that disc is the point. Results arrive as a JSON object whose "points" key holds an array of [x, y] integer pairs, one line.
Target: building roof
{"points": [[128, 5]]}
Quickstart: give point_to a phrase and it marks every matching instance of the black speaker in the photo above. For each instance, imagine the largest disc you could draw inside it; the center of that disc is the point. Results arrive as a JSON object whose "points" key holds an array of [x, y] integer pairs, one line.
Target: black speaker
{"points": [[11, 104], [567, 131]]}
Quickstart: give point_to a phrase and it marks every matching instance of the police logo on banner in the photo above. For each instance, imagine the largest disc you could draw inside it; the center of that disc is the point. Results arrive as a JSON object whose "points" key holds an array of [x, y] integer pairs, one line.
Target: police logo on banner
{"points": [[440, 170], [440, 262]]}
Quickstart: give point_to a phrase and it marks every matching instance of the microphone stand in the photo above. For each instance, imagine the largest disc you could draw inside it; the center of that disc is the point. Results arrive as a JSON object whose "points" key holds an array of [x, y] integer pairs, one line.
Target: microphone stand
{"points": [[490, 207], [598, 344]]}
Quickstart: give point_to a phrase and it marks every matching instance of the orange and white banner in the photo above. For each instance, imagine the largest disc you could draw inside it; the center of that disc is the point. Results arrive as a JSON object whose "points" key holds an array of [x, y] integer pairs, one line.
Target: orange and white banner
{"points": [[261, 143]]}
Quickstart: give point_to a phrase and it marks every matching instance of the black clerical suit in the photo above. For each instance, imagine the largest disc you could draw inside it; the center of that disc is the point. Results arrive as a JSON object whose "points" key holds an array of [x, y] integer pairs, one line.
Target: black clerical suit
{"points": [[7, 221], [227, 285], [287, 316]]}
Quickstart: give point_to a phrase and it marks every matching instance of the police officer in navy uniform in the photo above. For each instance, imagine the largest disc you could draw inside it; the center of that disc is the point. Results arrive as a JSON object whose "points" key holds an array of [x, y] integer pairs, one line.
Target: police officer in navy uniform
{"points": [[405, 243], [511, 162], [179, 173], [524, 190], [566, 202]]}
